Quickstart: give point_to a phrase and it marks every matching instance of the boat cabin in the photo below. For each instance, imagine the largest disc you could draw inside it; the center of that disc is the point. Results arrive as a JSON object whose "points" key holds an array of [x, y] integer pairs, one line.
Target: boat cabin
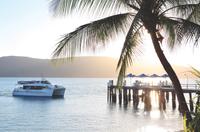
{"points": [[33, 87]]}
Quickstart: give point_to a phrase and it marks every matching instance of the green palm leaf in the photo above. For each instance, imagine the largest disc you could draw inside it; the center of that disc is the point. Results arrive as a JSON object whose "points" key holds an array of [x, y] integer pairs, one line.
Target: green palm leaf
{"points": [[185, 10], [183, 24], [188, 31], [195, 72], [133, 39], [96, 7], [178, 29], [87, 37], [195, 14], [169, 27]]}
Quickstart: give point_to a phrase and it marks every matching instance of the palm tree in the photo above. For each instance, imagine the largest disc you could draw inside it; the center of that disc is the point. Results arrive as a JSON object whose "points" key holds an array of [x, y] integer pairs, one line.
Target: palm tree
{"points": [[194, 124], [178, 19]]}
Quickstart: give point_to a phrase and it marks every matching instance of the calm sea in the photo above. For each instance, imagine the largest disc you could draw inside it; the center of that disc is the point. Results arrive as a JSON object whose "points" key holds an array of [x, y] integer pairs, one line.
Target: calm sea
{"points": [[84, 109]]}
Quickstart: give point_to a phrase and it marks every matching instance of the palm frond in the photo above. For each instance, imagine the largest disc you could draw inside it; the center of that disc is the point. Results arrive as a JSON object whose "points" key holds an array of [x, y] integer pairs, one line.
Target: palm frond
{"points": [[195, 14], [133, 4], [158, 4], [133, 39], [195, 72], [88, 36], [169, 27], [179, 2], [180, 29], [184, 10], [188, 31], [95, 7]]}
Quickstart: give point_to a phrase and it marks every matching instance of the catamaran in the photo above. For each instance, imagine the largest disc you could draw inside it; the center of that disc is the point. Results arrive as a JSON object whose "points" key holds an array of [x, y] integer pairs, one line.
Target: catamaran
{"points": [[42, 88]]}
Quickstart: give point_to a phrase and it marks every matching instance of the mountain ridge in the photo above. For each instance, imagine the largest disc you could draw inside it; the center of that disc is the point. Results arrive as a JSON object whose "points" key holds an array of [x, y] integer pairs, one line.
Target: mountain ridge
{"points": [[92, 66]]}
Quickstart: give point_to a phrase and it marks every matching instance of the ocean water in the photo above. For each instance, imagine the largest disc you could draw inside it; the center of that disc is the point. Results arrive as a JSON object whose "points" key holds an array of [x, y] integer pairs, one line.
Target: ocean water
{"points": [[83, 109]]}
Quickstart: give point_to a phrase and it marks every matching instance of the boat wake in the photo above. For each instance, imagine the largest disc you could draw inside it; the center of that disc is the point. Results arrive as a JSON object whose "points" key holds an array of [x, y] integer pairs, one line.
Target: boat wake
{"points": [[5, 94]]}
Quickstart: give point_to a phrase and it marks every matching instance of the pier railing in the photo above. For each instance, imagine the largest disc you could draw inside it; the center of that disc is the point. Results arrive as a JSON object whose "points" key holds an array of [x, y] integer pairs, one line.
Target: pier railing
{"points": [[140, 92], [190, 86]]}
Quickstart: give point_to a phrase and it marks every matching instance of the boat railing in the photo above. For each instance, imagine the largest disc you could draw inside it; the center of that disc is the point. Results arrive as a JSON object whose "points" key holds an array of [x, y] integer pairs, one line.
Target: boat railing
{"points": [[33, 82]]}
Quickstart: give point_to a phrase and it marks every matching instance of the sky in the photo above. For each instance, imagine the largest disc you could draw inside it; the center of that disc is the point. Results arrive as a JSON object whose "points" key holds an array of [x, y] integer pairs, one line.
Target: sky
{"points": [[28, 28]]}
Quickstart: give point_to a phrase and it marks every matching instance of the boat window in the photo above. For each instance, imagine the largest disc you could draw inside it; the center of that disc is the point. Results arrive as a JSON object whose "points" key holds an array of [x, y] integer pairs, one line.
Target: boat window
{"points": [[45, 82], [38, 87], [26, 87], [34, 87]]}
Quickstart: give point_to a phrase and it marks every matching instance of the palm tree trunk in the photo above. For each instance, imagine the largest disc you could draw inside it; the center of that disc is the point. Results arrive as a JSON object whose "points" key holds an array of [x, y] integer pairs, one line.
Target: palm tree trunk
{"points": [[172, 75]]}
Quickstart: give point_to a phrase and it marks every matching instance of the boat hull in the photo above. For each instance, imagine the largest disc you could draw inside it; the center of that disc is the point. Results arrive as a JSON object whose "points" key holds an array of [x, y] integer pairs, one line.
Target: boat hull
{"points": [[58, 92], [36, 93]]}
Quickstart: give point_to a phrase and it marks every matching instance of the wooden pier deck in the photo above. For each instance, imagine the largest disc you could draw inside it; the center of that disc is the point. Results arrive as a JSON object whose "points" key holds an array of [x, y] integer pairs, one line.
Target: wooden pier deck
{"points": [[141, 93]]}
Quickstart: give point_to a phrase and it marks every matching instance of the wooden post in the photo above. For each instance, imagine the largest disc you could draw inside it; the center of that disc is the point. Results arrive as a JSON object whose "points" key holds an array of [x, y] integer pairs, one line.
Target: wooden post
{"points": [[162, 102], [191, 102], [167, 96], [108, 94], [135, 98], [110, 84], [120, 96], [147, 101], [129, 95], [173, 101], [114, 95], [142, 96], [159, 100], [125, 96], [111, 93]]}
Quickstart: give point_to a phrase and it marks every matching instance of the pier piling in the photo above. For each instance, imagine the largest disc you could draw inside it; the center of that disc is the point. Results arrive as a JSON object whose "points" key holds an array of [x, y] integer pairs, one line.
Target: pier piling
{"points": [[135, 98], [131, 93], [167, 96], [173, 101], [120, 96], [147, 100], [125, 99]]}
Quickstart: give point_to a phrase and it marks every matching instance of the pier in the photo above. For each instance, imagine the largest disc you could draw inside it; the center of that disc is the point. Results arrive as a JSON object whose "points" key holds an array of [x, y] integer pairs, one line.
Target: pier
{"points": [[140, 93]]}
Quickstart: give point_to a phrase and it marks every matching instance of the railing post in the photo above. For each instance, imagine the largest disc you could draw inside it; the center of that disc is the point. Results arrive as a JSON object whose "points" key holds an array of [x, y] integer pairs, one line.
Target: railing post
{"points": [[120, 96], [147, 100], [125, 96], [129, 95], [173, 101], [167, 96], [135, 98], [110, 90]]}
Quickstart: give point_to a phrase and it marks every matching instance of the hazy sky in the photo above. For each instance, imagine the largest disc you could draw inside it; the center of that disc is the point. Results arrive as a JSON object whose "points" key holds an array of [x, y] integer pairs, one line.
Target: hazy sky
{"points": [[27, 28]]}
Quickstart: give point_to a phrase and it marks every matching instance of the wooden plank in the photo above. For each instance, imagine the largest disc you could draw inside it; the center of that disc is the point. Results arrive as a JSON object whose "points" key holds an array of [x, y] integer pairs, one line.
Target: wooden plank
{"points": [[159, 88]]}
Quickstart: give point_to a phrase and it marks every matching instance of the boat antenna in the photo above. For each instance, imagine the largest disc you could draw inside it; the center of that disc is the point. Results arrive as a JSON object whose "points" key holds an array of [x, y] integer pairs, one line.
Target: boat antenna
{"points": [[42, 77]]}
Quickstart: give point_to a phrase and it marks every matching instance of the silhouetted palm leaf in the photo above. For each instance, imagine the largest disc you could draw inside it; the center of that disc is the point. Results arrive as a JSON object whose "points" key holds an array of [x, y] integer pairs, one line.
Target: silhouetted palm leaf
{"points": [[133, 39], [96, 7], [169, 27], [188, 30], [88, 36], [179, 18], [195, 72], [181, 23]]}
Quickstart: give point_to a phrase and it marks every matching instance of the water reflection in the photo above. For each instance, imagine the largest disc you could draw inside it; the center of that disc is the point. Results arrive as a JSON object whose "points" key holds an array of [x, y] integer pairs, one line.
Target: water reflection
{"points": [[84, 108], [145, 121]]}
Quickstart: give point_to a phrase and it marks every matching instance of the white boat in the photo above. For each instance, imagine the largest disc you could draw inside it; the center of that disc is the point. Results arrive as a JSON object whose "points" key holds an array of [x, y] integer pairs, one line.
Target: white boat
{"points": [[41, 88]]}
